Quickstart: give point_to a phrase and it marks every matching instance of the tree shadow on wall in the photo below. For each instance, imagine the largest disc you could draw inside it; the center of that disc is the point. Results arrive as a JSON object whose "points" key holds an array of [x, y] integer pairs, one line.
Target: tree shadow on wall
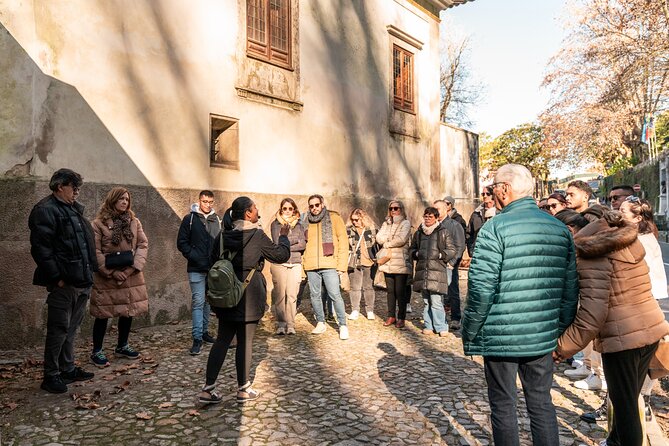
{"points": [[51, 126]]}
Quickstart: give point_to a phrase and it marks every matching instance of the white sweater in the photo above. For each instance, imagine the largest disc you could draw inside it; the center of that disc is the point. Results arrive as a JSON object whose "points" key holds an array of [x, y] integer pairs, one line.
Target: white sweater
{"points": [[658, 277]]}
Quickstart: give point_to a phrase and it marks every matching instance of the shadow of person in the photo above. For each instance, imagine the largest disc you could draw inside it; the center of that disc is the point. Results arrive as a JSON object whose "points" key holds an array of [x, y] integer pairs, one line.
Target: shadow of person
{"points": [[448, 390]]}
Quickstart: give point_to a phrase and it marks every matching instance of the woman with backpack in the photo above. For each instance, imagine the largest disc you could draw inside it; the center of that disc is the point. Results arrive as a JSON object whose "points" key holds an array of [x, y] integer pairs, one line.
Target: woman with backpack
{"points": [[286, 277], [247, 247]]}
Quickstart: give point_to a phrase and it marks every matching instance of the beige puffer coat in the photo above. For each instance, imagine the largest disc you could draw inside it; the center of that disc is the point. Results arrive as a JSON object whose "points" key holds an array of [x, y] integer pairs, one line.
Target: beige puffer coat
{"points": [[396, 236], [617, 308], [108, 298]]}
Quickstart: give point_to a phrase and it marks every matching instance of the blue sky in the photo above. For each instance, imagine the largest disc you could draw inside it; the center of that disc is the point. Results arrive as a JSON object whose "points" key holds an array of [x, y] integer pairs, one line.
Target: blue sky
{"points": [[511, 43]]}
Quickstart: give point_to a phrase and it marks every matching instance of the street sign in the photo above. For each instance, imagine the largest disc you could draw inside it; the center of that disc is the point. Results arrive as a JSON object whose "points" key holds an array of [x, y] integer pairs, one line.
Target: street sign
{"points": [[636, 187]]}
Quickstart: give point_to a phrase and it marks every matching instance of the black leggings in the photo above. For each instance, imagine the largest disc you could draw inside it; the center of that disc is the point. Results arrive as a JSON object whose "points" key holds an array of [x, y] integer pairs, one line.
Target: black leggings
{"points": [[100, 328], [397, 296], [226, 331]]}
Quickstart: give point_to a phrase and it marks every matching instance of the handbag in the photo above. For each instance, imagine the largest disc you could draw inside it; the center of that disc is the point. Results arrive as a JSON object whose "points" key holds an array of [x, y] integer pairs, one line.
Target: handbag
{"points": [[659, 364], [119, 259], [374, 251], [384, 255]]}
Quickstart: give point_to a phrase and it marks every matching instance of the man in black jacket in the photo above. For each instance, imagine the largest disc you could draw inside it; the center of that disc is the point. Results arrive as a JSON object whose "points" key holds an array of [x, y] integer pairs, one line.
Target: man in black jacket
{"points": [[63, 247], [448, 215], [196, 234]]}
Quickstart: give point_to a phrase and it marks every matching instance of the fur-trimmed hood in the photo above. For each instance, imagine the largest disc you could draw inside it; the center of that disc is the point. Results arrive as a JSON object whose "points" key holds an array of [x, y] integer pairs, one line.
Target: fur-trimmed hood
{"points": [[608, 235]]}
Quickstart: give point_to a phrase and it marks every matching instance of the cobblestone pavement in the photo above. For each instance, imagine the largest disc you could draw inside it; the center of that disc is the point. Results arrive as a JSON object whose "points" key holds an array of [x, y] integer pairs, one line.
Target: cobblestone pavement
{"points": [[382, 386]]}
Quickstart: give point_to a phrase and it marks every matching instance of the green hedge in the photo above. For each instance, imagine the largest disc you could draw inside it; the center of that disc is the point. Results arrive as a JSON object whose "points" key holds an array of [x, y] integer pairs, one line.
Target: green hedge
{"points": [[647, 175]]}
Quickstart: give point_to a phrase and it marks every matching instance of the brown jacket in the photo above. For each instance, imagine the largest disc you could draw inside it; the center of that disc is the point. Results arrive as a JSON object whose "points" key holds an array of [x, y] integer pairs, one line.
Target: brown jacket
{"points": [[313, 257], [617, 309], [108, 298]]}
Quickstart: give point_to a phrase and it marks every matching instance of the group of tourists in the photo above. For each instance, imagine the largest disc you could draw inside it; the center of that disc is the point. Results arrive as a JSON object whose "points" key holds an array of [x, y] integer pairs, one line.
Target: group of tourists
{"points": [[545, 282]]}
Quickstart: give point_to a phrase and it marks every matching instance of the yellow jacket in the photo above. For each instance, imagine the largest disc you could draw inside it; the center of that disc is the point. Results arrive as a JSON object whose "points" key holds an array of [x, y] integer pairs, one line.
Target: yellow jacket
{"points": [[313, 257]]}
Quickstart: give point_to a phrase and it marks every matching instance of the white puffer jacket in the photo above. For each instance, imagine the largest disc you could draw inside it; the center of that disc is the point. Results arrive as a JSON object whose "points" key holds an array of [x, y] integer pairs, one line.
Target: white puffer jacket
{"points": [[396, 237]]}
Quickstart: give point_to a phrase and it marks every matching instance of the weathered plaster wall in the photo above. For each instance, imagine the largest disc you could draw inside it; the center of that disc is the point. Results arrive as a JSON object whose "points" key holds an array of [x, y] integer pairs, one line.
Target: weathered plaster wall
{"points": [[121, 91]]}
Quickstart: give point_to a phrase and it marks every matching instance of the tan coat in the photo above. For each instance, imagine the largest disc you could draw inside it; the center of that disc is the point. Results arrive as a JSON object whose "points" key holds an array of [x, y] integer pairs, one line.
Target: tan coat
{"points": [[397, 237], [313, 257], [617, 308], [108, 298]]}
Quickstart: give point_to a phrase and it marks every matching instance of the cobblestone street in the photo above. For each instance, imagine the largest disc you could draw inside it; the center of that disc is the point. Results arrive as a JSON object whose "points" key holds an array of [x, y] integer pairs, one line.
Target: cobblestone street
{"points": [[382, 386]]}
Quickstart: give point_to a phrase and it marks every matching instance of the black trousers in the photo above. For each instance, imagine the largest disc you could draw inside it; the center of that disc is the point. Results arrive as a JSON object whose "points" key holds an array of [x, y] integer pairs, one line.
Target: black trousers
{"points": [[243, 356], [453, 297], [536, 377], [397, 296], [100, 328], [625, 372], [66, 307]]}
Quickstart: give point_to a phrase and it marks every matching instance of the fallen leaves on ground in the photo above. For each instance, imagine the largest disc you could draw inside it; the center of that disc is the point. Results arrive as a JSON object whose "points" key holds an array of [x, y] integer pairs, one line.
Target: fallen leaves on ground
{"points": [[193, 413], [120, 388], [86, 401]]}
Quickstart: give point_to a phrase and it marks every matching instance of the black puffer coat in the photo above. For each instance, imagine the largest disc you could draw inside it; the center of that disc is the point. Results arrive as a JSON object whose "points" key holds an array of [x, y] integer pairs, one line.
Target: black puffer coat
{"points": [[432, 254], [253, 246], [62, 244], [196, 237]]}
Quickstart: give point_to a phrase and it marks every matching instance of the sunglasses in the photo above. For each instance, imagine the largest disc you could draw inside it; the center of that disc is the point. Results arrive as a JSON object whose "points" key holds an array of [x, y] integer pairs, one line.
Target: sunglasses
{"points": [[355, 219], [286, 208], [551, 206], [393, 208], [486, 194], [620, 197], [316, 205]]}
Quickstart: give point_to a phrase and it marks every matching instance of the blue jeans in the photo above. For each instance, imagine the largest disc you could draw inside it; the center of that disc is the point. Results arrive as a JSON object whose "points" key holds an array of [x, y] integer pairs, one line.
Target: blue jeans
{"points": [[433, 312], [199, 307], [536, 377], [329, 277]]}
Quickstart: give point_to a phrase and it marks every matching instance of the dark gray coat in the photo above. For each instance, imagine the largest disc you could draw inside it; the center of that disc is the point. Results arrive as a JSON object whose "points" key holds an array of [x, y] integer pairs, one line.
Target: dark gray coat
{"points": [[432, 254], [298, 242]]}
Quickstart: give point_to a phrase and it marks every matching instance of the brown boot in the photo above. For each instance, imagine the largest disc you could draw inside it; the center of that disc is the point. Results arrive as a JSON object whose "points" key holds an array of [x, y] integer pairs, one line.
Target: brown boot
{"points": [[400, 323], [390, 321]]}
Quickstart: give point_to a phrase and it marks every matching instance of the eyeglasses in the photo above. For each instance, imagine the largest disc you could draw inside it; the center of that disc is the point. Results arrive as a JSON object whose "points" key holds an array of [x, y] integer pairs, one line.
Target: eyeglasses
{"points": [[619, 197], [486, 194], [286, 208], [315, 205], [75, 189], [355, 220], [632, 199], [207, 201], [393, 208]]}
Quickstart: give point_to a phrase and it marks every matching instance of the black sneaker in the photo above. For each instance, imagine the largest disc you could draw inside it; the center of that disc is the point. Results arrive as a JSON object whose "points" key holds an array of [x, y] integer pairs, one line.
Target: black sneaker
{"points": [[196, 348], [126, 352], [99, 359], [53, 384], [208, 338], [78, 374], [597, 415]]}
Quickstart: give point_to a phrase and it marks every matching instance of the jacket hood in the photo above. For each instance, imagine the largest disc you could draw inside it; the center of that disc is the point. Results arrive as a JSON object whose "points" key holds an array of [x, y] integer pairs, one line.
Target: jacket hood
{"points": [[607, 235], [196, 209]]}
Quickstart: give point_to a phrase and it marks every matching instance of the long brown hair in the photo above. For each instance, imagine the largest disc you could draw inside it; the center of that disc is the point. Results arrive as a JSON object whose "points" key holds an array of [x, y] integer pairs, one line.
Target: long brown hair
{"points": [[108, 211], [642, 208]]}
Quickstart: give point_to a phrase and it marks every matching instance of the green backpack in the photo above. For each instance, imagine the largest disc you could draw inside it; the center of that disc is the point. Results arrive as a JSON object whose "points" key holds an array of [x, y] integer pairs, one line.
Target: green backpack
{"points": [[225, 290]]}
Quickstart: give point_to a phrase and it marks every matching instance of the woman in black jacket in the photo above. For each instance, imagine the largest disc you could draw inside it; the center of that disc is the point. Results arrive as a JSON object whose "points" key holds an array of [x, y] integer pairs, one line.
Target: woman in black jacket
{"points": [[433, 248], [242, 235]]}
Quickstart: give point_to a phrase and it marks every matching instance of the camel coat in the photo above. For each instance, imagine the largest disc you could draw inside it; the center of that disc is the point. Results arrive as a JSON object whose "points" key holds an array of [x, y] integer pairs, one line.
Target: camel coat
{"points": [[617, 308], [108, 298]]}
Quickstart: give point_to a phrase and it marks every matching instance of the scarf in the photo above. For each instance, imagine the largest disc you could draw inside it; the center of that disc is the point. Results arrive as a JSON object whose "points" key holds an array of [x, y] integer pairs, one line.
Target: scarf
{"points": [[121, 228], [291, 221], [326, 230], [243, 225], [427, 230]]}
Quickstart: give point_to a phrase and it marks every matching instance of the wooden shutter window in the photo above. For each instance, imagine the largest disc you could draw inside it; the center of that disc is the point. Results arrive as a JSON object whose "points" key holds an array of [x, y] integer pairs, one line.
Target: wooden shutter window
{"points": [[403, 79], [268, 30]]}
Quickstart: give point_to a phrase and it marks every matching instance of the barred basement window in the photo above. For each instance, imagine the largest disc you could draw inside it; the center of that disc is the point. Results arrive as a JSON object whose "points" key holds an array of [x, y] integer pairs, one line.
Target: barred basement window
{"points": [[268, 31], [224, 141], [403, 79]]}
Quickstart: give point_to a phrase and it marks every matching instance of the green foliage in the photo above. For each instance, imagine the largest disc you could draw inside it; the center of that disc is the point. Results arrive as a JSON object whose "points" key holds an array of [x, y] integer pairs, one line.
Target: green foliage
{"points": [[521, 145], [621, 164], [662, 131]]}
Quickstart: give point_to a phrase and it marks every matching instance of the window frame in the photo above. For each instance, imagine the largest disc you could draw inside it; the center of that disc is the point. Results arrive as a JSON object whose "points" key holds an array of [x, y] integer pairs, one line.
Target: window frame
{"points": [[260, 33], [400, 102]]}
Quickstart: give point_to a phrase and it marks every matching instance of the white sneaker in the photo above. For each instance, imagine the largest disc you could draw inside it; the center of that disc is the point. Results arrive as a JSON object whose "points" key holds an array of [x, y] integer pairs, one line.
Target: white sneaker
{"points": [[290, 331], [409, 310], [354, 315], [343, 332], [592, 382], [370, 315], [576, 363], [579, 373], [320, 328], [280, 331]]}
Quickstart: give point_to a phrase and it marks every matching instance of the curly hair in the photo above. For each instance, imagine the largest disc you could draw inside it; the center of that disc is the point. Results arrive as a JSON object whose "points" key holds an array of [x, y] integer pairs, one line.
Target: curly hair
{"points": [[367, 221], [108, 209]]}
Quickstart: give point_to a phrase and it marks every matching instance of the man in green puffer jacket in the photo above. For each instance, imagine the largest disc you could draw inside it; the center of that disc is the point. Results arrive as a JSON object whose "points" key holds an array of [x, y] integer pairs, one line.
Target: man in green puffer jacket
{"points": [[523, 293]]}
